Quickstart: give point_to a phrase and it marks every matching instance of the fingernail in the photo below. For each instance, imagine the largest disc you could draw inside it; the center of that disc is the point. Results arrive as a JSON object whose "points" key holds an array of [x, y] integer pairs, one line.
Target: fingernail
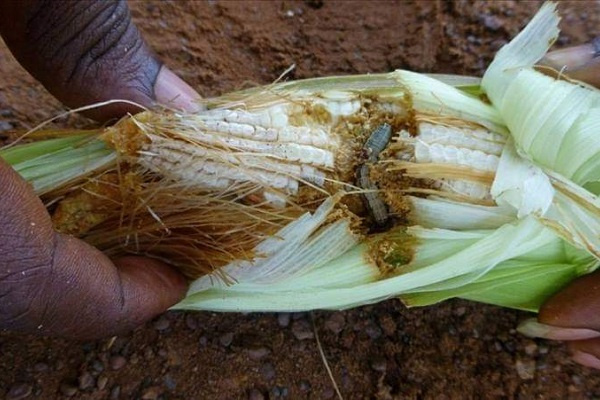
{"points": [[172, 92], [586, 359], [571, 58], [534, 329]]}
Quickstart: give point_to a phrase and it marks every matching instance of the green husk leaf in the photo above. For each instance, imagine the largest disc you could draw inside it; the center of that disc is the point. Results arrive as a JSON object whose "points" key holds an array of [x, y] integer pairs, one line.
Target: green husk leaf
{"points": [[521, 184], [442, 213], [527, 48], [53, 163], [471, 255], [25, 152], [523, 283], [429, 94], [554, 124], [525, 288]]}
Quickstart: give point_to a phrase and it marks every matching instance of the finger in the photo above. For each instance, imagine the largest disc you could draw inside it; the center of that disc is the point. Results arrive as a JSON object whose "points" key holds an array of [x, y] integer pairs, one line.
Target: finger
{"points": [[151, 285], [88, 297], [578, 62], [57, 285], [86, 52], [576, 306], [534, 329], [586, 352], [171, 91]]}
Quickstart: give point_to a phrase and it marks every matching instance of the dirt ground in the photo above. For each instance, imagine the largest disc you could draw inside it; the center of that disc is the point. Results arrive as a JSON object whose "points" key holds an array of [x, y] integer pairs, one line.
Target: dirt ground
{"points": [[457, 350]]}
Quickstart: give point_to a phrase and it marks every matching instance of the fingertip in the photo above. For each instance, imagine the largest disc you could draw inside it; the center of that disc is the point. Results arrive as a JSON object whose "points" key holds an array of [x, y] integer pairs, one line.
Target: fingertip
{"points": [[534, 329], [590, 73], [171, 91], [576, 306], [586, 359], [586, 352], [578, 62], [150, 286], [88, 296], [570, 57]]}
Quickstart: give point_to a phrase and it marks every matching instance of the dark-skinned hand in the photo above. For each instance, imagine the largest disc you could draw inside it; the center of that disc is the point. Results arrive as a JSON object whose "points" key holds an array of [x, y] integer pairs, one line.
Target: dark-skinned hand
{"points": [[83, 52], [578, 305]]}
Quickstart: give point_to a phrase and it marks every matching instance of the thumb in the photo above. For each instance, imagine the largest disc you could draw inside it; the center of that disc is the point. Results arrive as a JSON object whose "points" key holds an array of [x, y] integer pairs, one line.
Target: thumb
{"points": [[85, 52], [55, 284], [87, 297]]}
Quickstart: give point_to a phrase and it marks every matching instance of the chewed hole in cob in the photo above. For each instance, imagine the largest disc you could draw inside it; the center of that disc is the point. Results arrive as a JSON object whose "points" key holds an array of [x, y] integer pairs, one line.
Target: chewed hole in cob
{"points": [[205, 189]]}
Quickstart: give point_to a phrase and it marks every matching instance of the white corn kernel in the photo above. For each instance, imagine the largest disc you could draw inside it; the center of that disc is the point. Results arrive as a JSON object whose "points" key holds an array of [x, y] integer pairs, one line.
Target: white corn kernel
{"points": [[473, 139], [278, 116], [440, 154], [201, 171], [476, 149]]}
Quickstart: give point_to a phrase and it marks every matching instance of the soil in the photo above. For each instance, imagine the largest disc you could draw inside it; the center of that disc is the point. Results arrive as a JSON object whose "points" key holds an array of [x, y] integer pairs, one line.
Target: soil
{"points": [[457, 350]]}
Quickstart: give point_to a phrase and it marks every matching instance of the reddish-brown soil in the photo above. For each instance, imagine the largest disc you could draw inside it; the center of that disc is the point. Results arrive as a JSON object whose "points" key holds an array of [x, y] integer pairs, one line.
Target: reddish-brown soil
{"points": [[457, 350]]}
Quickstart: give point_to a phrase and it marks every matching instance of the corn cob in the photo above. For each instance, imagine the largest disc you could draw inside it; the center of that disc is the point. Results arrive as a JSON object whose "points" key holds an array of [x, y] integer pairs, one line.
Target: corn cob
{"points": [[335, 192], [264, 163]]}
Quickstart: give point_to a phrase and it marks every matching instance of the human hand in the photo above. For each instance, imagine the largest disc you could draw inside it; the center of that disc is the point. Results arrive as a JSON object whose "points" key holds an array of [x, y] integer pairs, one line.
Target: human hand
{"points": [[55, 284], [83, 52], [577, 307]]}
